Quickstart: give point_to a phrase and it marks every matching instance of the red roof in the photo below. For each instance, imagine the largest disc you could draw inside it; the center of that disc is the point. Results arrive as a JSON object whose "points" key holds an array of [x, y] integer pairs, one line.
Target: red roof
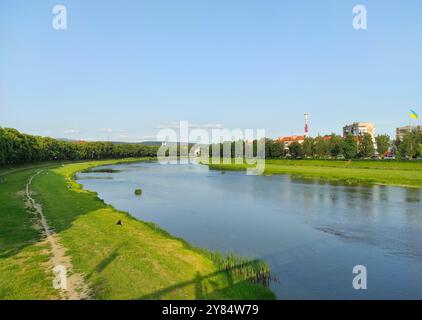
{"points": [[291, 139]]}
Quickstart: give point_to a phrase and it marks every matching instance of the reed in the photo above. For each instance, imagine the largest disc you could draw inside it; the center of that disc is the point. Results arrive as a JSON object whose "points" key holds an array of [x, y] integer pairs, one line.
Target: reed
{"points": [[253, 270]]}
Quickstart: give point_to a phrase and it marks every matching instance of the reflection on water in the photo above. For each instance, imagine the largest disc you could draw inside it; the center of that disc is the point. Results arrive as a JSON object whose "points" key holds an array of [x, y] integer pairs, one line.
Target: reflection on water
{"points": [[413, 195], [312, 233]]}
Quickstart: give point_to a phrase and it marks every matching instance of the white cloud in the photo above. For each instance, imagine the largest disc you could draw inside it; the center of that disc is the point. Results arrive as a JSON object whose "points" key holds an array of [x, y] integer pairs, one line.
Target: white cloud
{"points": [[176, 125], [208, 126], [71, 131], [123, 137], [110, 130], [150, 137], [138, 138]]}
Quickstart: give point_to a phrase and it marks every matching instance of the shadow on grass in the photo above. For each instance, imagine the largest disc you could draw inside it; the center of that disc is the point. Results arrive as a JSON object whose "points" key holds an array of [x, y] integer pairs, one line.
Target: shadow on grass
{"points": [[202, 282], [109, 259]]}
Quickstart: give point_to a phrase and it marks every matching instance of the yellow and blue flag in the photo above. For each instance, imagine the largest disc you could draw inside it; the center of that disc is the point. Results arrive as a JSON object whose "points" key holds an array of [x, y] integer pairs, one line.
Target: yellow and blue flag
{"points": [[413, 114]]}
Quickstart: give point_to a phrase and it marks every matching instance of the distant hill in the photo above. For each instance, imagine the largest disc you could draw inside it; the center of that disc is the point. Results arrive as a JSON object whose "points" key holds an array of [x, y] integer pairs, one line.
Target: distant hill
{"points": [[152, 143], [145, 143]]}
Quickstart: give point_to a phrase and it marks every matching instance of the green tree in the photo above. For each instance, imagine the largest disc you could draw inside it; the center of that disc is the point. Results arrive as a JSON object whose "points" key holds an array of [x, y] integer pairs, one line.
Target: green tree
{"points": [[349, 147], [268, 146], [366, 146], [308, 147], [383, 143], [296, 150], [277, 149], [335, 145], [4, 147], [16, 147], [321, 148], [409, 146]]}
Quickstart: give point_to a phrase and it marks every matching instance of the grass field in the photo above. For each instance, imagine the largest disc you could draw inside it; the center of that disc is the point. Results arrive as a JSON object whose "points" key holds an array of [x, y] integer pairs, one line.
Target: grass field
{"points": [[23, 256], [408, 174], [133, 261]]}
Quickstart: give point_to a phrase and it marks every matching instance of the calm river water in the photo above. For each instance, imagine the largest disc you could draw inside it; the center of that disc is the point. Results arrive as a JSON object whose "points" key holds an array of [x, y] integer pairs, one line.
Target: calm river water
{"points": [[312, 234]]}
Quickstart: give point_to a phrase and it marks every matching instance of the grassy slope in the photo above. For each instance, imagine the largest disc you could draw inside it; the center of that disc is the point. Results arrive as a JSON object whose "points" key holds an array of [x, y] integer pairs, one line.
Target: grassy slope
{"points": [[368, 172], [22, 257], [135, 261]]}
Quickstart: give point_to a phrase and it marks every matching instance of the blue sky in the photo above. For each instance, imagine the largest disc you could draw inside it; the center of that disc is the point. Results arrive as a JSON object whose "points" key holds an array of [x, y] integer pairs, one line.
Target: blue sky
{"points": [[123, 69]]}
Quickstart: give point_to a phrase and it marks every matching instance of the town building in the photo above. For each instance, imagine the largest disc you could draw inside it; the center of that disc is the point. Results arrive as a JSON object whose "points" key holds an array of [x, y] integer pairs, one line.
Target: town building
{"points": [[358, 128], [290, 139], [400, 132]]}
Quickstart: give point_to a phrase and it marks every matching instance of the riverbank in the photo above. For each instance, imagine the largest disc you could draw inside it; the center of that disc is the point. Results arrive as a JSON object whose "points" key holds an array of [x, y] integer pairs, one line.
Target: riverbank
{"points": [[394, 173], [23, 252], [134, 261]]}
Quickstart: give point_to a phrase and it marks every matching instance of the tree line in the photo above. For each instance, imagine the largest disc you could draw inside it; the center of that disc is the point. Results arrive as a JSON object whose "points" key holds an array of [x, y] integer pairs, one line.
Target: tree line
{"points": [[17, 147], [338, 147]]}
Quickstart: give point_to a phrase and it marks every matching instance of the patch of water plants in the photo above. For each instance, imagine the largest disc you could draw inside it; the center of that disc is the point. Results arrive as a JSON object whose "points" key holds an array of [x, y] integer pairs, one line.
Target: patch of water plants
{"points": [[254, 270]]}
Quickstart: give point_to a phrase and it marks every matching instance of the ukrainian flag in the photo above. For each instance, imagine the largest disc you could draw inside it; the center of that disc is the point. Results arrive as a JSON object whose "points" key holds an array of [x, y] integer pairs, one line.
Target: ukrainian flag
{"points": [[413, 114]]}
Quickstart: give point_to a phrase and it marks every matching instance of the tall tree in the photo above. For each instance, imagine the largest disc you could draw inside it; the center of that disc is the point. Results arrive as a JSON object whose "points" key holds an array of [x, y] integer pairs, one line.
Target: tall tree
{"points": [[321, 148], [335, 145], [349, 147], [383, 143], [409, 147], [308, 147], [268, 146], [277, 149], [366, 146], [4, 148], [296, 150]]}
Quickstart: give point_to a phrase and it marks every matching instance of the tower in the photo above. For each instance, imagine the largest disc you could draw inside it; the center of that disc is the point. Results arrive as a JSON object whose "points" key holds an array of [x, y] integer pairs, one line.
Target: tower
{"points": [[306, 124]]}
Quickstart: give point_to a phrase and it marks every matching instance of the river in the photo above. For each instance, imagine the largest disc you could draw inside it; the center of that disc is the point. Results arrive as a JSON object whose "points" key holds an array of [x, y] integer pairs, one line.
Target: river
{"points": [[311, 233]]}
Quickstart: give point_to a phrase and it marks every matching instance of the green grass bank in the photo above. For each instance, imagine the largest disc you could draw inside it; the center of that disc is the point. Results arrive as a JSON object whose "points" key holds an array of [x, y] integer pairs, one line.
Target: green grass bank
{"points": [[394, 173], [23, 255], [135, 261]]}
